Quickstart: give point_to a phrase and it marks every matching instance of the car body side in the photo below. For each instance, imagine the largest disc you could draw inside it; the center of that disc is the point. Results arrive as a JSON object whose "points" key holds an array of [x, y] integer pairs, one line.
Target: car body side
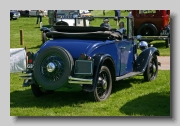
{"points": [[121, 57]]}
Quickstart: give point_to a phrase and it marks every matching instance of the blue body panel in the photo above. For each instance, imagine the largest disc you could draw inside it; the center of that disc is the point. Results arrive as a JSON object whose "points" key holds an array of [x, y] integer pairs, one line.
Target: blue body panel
{"points": [[120, 51]]}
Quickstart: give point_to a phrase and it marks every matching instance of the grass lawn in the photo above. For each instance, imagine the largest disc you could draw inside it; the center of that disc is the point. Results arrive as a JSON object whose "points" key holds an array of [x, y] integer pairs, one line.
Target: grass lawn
{"points": [[130, 97]]}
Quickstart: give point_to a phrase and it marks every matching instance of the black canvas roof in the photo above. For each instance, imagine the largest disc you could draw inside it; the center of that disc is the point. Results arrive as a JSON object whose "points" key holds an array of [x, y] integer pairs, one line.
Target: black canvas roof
{"points": [[79, 32]]}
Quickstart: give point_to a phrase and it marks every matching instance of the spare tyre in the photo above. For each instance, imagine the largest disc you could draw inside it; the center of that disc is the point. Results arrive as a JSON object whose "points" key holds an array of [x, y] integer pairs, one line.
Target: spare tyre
{"points": [[52, 68], [147, 29]]}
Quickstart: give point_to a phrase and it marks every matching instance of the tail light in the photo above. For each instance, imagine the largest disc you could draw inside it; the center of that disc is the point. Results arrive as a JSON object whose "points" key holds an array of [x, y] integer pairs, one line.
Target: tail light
{"points": [[29, 59], [85, 57]]}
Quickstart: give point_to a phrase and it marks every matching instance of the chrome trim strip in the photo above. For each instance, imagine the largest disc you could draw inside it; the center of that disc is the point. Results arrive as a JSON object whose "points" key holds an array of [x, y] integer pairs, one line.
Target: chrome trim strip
{"points": [[73, 80], [23, 77]]}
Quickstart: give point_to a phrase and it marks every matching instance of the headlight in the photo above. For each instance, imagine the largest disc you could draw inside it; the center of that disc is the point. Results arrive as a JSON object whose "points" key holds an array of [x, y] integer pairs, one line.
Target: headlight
{"points": [[143, 45]]}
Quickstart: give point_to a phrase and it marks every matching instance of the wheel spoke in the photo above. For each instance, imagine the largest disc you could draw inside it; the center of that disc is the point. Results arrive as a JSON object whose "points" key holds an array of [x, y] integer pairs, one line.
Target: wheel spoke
{"points": [[59, 68], [100, 90]]}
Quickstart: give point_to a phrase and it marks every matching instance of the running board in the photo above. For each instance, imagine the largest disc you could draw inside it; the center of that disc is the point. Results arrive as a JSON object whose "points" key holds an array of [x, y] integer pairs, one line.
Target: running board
{"points": [[127, 75]]}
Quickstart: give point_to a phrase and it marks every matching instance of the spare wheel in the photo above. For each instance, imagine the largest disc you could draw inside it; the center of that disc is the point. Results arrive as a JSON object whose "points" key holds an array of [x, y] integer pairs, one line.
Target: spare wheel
{"points": [[52, 67]]}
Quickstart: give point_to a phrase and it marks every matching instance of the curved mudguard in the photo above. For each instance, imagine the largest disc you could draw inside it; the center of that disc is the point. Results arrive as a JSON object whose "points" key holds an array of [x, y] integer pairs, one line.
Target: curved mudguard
{"points": [[45, 29], [98, 62], [143, 58]]}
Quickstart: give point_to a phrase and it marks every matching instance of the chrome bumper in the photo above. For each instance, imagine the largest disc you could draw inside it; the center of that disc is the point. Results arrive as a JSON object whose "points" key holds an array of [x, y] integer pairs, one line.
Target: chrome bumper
{"points": [[73, 80], [26, 76]]}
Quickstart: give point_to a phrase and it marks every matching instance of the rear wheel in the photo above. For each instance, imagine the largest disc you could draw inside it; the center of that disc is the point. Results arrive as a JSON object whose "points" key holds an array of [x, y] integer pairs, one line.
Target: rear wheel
{"points": [[38, 91], [151, 69], [104, 85]]}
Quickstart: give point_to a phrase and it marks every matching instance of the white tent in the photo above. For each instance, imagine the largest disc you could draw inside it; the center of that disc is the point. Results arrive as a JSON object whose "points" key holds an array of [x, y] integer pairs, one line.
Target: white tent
{"points": [[17, 60]]}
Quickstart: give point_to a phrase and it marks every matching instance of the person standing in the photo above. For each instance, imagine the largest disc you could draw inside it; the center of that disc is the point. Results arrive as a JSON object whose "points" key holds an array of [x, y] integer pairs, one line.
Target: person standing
{"points": [[104, 12], [117, 14], [51, 17], [39, 14]]}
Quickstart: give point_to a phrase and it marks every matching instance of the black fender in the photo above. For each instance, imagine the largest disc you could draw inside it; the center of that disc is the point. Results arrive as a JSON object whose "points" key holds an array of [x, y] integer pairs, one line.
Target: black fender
{"points": [[45, 29], [99, 60], [143, 58]]}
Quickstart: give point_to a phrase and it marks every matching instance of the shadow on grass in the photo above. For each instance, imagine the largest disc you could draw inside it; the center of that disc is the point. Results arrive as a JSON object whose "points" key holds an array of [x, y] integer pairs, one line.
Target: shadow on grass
{"points": [[126, 83], [66, 96], [153, 104], [48, 26], [38, 26], [57, 99]]}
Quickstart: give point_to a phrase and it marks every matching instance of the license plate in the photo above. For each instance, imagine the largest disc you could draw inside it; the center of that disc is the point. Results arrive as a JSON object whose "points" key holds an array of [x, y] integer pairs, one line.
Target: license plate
{"points": [[30, 66], [83, 67]]}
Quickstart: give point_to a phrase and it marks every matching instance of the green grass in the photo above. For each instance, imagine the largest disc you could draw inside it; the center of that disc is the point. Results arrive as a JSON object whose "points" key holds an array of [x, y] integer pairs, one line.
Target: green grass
{"points": [[130, 97]]}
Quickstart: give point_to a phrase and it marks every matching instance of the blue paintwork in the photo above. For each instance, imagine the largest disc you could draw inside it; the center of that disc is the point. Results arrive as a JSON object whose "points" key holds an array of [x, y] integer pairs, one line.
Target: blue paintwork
{"points": [[122, 57]]}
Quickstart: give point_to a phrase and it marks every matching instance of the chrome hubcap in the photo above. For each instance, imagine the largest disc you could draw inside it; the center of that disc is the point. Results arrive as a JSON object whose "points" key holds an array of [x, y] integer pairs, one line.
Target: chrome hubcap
{"points": [[103, 82], [51, 67]]}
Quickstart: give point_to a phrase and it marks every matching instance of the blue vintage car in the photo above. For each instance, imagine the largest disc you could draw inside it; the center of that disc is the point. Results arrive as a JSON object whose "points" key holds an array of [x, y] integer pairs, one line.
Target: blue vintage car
{"points": [[92, 57]]}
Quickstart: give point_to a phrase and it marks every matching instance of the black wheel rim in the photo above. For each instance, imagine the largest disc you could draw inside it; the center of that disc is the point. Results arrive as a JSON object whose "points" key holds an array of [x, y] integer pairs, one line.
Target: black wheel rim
{"points": [[147, 31], [59, 68], [152, 69], [103, 85]]}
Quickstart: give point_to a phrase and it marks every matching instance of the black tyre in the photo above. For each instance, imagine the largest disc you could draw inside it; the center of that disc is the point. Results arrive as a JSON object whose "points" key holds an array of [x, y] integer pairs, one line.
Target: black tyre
{"points": [[151, 69], [38, 91], [104, 85], [52, 68], [44, 39], [147, 29]]}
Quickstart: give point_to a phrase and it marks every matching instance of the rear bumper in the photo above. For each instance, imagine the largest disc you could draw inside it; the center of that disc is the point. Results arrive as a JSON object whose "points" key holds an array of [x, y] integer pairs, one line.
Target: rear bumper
{"points": [[73, 80], [27, 76]]}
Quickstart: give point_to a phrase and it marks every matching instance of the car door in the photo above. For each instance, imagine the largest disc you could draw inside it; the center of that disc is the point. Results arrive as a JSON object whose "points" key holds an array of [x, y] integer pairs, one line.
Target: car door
{"points": [[125, 49]]}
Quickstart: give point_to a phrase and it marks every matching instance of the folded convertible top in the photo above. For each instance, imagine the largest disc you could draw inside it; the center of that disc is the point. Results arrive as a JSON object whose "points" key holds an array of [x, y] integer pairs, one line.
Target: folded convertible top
{"points": [[78, 32], [61, 28]]}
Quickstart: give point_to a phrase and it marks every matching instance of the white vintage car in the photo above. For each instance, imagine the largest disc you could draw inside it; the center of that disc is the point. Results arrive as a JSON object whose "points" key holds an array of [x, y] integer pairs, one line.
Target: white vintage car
{"points": [[67, 17], [33, 13]]}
